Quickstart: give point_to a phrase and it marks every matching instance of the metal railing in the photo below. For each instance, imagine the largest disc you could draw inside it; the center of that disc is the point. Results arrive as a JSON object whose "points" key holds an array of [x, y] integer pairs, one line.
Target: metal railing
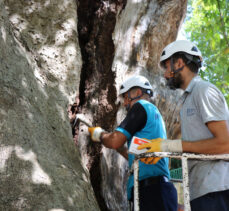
{"points": [[184, 158]]}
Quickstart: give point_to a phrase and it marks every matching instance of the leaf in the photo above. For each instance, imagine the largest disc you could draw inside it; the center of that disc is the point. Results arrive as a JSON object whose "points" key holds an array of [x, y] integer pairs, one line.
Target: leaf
{"points": [[226, 51], [203, 26]]}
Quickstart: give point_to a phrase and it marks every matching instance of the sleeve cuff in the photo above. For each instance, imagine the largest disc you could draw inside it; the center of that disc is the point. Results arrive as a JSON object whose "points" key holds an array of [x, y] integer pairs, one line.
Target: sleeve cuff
{"points": [[126, 133]]}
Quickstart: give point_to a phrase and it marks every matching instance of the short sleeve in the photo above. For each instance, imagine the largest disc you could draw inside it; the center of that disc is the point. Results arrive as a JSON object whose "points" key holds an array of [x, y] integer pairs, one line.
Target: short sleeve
{"points": [[211, 104], [135, 120]]}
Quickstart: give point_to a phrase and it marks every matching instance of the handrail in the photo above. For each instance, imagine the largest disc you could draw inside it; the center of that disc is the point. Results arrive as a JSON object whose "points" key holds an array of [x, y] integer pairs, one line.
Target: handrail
{"points": [[184, 159]]}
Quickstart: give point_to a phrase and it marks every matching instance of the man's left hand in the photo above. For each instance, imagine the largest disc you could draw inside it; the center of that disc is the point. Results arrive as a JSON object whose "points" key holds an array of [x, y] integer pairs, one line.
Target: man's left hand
{"points": [[162, 145], [153, 146]]}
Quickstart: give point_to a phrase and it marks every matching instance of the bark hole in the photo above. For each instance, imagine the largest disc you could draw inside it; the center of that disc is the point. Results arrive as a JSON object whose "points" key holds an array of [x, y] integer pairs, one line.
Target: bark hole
{"points": [[96, 22]]}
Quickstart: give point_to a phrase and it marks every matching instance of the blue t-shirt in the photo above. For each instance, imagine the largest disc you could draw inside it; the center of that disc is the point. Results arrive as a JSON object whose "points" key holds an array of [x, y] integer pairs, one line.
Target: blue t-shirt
{"points": [[144, 121]]}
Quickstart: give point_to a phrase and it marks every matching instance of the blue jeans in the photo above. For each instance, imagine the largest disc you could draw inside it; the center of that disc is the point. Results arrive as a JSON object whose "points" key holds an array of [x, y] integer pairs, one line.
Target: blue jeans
{"points": [[215, 201], [158, 197]]}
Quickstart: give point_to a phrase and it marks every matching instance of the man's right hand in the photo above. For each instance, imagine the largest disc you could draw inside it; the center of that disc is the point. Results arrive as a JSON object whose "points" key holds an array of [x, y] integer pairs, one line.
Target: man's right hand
{"points": [[95, 133]]}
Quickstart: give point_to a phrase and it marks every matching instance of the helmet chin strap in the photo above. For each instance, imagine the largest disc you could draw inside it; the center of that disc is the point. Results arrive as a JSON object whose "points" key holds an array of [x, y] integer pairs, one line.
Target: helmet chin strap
{"points": [[131, 99], [134, 98], [171, 80]]}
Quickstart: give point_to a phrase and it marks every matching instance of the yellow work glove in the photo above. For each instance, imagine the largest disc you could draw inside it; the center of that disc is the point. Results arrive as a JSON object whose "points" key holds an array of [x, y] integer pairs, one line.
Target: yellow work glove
{"points": [[151, 160], [153, 146], [95, 133], [162, 145]]}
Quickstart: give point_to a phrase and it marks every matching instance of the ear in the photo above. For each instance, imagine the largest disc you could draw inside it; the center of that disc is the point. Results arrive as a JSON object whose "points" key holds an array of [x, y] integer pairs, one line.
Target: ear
{"points": [[180, 62], [139, 92]]}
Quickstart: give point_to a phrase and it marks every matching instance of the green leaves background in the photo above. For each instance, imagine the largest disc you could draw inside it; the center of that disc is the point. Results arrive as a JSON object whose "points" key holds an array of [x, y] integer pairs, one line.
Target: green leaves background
{"points": [[207, 25]]}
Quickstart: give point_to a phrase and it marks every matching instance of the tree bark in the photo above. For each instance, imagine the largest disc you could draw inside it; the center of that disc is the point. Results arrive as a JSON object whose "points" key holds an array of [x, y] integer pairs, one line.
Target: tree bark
{"points": [[56, 53], [40, 62], [118, 39]]}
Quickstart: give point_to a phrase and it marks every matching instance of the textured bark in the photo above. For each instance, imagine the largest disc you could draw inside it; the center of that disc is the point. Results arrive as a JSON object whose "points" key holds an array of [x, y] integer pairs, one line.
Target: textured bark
{"points": [[98, 94], [143, 30], [118, 39], [40, 167], [42, 72]]}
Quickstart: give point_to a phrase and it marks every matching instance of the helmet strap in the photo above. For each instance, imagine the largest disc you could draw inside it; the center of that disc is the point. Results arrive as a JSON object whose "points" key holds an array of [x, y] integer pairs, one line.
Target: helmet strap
{"points": [[171, 80], [173, 72], [134, 98], [131, 99]]}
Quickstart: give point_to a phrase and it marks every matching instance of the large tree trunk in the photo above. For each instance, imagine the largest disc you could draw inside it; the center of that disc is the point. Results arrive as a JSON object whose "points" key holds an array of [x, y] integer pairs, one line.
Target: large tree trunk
{"points": [[117, 39], [54, 53], [40, 167]]}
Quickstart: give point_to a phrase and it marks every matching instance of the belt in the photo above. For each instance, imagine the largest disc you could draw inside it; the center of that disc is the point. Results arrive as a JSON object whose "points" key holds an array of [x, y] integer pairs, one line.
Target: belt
{"points": [[153, 181]]}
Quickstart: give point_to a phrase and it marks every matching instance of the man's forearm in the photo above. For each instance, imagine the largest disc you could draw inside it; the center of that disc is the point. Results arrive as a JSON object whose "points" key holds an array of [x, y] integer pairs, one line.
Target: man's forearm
{"points": [[113, 140], [208, 146], [123, 151], [219, 144]]}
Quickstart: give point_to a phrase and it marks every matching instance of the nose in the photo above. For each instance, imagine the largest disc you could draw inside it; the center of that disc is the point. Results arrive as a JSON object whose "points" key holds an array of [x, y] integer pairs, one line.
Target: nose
{"points": [[168, 74]]}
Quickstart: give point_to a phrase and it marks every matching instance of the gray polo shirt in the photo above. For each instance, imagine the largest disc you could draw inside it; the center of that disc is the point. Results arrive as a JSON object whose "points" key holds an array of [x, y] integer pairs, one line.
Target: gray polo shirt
{"points": [[204, 103]]}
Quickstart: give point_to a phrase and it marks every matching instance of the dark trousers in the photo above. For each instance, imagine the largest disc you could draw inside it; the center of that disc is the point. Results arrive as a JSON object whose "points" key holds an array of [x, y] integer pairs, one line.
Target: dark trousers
{"points": [[160, 195], [216, 201]]}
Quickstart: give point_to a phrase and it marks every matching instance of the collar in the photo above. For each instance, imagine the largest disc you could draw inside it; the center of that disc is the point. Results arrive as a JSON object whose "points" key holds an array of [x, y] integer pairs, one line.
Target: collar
{"points": [[192, 83]]}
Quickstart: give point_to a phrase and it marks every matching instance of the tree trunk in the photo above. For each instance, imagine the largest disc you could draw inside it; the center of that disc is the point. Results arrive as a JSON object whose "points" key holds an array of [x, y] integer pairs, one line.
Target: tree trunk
{"points": [[40, 167], [118, 39], [56, 53]]}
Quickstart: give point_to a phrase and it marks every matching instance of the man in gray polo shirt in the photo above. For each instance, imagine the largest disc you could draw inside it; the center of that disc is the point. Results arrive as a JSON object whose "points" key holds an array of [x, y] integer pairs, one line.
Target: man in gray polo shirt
{"points": [[204, 127]]}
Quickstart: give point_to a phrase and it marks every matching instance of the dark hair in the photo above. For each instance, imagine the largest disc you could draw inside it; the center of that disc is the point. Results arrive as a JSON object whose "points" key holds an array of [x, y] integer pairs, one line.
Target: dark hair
{"points": [[144, 91], [191, 64]]}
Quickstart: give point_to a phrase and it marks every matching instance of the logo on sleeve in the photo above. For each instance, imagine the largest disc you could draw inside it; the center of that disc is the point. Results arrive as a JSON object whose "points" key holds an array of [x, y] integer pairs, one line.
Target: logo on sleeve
{"points": [[191, 111]]}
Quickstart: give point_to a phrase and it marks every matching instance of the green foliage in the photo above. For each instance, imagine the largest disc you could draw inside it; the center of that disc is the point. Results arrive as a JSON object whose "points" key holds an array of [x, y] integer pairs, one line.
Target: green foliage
{"points": [[207, 25]]}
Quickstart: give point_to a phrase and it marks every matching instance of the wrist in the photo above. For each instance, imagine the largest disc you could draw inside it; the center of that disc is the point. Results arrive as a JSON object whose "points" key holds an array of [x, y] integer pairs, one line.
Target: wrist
{"points": [[97, 134], [101, 136], [171, 145]]}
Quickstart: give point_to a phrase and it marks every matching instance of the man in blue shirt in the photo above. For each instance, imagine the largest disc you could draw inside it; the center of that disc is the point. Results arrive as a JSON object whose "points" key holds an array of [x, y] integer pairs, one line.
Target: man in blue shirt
{"points": [[143, 120]]}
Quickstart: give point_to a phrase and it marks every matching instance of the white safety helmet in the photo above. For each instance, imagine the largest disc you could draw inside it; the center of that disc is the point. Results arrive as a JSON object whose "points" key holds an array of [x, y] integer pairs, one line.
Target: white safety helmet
{"points": [[136, 81], [184, 46]]}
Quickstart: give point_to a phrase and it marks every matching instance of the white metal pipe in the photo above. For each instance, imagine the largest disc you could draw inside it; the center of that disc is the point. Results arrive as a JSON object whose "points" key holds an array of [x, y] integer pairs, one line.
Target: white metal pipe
{"points": [[136, 190], [185, 184], [188, 155], [184, 158]]}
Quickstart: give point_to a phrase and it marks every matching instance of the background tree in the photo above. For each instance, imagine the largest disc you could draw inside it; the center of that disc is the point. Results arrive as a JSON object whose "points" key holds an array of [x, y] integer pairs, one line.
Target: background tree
{"points": [[207, 25]]}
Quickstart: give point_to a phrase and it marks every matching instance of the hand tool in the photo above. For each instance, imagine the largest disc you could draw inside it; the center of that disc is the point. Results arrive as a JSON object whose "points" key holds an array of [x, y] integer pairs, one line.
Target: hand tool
{"points": [[81, 118]]}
